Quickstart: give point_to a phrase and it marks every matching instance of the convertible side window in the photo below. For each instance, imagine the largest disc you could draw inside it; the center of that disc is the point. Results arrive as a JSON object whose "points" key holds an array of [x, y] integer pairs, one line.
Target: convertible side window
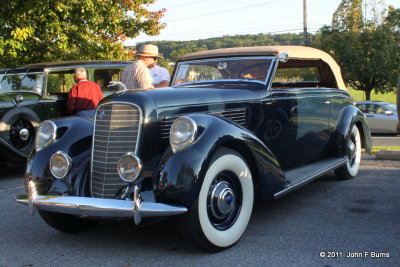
{"points": [[59, 83], [297, 77], [103, 77]]}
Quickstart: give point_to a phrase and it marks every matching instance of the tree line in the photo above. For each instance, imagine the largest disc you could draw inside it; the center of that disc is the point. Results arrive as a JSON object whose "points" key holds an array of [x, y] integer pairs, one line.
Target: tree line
{"points": [[366, 48]]}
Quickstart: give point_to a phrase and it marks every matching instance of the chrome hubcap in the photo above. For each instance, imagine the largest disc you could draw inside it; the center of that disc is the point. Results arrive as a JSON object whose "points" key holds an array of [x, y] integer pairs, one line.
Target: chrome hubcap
{"points": [[351, 146], [24, 134], [222, 200]]}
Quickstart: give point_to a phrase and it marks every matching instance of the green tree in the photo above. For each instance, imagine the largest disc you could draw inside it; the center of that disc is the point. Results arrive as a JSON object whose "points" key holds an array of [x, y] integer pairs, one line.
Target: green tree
{"points": [[368, 53], [52, 30], [348, 16]]}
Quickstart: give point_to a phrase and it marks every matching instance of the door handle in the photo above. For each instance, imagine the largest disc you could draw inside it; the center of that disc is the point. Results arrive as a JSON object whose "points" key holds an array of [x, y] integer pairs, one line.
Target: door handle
{"points": [[327, 102], [370, 116]]}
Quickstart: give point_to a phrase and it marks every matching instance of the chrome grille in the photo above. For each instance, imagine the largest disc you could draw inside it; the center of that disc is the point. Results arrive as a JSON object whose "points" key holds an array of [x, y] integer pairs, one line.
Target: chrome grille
{"points": [[116, 132], [237, 115]]}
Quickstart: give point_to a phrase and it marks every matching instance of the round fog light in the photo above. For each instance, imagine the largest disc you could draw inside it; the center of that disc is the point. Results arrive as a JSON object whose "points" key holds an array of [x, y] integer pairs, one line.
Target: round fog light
{"points": [[129, 167], [60, 164]]}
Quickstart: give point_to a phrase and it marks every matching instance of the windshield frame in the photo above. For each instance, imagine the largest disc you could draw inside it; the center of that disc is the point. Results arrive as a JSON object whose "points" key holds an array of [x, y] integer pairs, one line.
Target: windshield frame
{"points": [[270, 59]]}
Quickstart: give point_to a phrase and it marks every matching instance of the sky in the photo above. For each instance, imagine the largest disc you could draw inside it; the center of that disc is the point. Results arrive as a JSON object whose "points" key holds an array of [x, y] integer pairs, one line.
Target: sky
{"points": [[201, 19]]}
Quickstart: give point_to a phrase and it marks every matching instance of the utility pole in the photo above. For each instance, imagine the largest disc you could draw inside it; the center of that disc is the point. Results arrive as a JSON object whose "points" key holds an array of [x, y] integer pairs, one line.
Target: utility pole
{"points": [[305, 22]]}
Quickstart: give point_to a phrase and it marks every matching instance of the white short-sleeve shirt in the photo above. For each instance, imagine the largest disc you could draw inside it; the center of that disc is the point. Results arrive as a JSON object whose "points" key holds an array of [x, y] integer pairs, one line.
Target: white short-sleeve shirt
{"points": [[159, 74]]}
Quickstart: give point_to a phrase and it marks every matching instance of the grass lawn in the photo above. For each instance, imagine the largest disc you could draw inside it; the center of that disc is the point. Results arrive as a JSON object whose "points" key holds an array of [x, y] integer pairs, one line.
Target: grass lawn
{"points": [[379, 148], [360, 96]]}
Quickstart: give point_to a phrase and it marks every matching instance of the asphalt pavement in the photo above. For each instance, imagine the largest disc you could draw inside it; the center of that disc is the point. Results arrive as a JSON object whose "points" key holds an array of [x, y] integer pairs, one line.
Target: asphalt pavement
{"points": [[328, 222]]}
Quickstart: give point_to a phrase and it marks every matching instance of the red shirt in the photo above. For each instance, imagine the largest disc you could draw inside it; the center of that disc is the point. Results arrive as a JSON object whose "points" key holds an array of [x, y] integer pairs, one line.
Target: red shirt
{"points": [[85, 95]]}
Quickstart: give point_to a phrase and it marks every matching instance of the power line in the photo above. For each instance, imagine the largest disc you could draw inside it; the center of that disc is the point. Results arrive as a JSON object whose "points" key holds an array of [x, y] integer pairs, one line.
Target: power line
{"points": [[225, 11], [186, 4]]}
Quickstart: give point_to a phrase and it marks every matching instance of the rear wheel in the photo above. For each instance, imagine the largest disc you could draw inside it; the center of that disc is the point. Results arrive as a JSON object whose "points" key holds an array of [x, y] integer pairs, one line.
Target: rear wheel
{"points": [[353, 156], [66, 223], [219, 217]]}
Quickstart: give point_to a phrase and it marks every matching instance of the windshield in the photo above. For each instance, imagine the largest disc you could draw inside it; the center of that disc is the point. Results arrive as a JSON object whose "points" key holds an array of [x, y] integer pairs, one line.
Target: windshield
{"points": [[222, 69], [21, 82]]}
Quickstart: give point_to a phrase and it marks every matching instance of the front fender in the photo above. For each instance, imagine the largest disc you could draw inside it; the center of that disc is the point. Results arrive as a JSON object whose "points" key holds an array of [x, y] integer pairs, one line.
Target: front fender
{"points": [[181, 174], [350, 116], [74, 137]]}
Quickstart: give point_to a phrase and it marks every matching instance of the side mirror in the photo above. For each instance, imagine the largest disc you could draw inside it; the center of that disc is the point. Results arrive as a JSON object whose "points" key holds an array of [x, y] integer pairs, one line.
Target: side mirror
{"points": [[389, 112]]}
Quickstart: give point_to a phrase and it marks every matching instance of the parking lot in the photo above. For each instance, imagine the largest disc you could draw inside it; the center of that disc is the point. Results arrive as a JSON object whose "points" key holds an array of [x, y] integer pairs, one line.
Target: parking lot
{"points": [[326, 223]]}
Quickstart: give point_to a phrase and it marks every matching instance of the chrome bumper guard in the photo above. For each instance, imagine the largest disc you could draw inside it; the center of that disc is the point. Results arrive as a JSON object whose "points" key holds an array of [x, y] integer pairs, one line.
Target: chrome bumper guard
{"points": [[99, 207]]}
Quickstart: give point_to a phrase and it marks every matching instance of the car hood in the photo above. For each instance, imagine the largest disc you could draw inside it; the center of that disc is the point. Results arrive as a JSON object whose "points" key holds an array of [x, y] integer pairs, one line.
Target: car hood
{"points": [[172, 97]]}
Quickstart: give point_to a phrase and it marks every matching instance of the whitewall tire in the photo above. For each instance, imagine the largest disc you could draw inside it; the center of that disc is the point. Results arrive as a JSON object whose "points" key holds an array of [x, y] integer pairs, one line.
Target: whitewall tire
{"points": [[219, 217], [353, 155]]}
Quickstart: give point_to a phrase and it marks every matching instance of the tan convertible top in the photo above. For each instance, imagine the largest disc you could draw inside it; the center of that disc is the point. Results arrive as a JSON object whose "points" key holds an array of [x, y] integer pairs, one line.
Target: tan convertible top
{"points": [[294, 52]]}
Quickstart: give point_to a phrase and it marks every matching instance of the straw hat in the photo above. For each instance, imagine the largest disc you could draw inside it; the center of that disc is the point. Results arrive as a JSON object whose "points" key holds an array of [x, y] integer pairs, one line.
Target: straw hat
{"points": [[148, 50]]}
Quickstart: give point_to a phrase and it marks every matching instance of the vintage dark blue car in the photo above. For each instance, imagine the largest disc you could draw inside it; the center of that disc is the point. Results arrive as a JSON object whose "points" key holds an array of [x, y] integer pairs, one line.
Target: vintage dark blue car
{"points": [[237, 125]]}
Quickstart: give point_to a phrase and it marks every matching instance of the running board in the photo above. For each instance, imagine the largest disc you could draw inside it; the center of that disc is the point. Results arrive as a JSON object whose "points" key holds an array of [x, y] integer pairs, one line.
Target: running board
{"points": [[303, 175]]}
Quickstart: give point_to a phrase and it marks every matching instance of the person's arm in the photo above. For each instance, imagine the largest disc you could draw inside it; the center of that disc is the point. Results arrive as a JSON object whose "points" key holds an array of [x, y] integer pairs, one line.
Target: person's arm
{"points": [[163, 83], [164, 74], [144, 78]]}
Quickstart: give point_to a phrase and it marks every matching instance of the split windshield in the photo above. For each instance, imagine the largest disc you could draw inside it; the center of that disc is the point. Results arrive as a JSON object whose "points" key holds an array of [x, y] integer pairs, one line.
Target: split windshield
{"points": [[222, 69], [21, 82]]}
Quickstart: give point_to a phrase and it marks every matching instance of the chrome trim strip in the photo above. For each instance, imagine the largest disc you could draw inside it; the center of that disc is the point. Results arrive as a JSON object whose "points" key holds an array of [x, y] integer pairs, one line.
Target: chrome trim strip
{"points": [[331, 164]]}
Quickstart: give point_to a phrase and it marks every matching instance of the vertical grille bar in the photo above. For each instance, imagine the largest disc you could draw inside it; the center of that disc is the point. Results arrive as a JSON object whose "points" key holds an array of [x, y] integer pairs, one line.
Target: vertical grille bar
{"points": [[116, 132]]}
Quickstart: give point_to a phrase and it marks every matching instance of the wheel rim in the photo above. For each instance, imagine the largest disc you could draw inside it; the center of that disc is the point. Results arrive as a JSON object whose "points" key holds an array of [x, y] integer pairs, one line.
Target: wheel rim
{"points": [[351, 149], [353, 152], [224, 200], [21, 134]]}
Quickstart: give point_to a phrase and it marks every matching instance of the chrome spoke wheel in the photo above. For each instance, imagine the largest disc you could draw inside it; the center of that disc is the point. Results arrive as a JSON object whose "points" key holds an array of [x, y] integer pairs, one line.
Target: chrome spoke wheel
{"points": [[21, 134]]}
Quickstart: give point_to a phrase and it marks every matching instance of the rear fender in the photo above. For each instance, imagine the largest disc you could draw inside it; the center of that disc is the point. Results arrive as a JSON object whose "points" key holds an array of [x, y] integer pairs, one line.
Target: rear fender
{"points": [[350, 116]]}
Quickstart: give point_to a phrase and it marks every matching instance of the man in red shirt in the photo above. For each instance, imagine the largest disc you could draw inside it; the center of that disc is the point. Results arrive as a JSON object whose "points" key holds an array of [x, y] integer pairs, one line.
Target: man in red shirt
{"points": [[83, 96]]}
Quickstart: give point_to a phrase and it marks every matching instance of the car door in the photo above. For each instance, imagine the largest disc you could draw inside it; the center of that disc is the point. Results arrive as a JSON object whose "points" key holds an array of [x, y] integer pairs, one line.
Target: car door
{"points": [[296, 117], [57, 85], [380, 120]]}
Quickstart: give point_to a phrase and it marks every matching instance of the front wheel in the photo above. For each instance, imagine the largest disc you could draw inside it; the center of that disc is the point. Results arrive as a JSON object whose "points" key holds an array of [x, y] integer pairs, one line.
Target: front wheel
{"points": [[353, 156], [219, 217]]}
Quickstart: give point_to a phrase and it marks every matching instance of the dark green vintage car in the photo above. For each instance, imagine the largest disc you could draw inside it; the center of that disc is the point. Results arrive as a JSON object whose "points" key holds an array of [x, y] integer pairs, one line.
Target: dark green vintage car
{"points": [[36, 92]]}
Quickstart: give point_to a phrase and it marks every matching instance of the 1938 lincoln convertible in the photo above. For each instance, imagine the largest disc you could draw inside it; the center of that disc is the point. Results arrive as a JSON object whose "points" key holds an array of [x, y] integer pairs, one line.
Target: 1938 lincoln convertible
{"points": [[237, 125]]}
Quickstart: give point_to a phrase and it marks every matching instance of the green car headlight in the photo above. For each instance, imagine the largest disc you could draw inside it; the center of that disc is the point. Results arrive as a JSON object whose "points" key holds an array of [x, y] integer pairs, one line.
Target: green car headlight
{"points": [[183, 133], [46, 134]]}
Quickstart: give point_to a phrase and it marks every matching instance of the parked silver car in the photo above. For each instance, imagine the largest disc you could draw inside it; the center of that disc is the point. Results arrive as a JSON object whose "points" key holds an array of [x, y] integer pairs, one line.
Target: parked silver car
{"points": [[382, 117]]}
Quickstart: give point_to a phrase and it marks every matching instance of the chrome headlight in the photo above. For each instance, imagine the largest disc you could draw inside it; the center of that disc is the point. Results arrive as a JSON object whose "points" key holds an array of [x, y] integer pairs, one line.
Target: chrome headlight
{"points": [[129, 167], [183, 133], [60, 164], [46, 134]]}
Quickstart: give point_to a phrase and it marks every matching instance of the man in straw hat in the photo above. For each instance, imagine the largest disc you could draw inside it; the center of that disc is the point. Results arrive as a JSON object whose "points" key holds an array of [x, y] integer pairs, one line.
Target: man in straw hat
{"points": [[137, 75]]}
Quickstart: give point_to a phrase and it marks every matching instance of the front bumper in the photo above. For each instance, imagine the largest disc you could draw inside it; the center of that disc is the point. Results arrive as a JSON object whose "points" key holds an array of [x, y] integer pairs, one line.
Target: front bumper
{"points": [[99, 207]]}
